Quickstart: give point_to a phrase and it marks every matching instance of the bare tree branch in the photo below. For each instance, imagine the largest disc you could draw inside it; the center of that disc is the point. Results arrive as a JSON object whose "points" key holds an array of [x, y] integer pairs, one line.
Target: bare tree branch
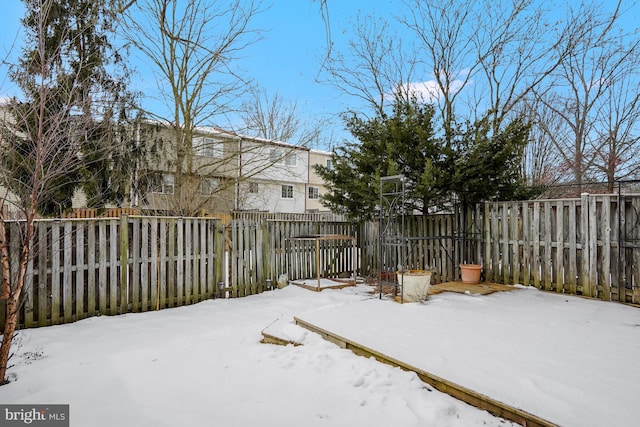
{"points": [[192, 47]]}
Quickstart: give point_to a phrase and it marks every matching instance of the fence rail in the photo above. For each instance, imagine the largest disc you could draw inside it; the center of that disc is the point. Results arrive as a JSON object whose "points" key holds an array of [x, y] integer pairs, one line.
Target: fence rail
{"points": [[261, 251], [84, 267], [586, 246], [87, 267], [280, 216]]}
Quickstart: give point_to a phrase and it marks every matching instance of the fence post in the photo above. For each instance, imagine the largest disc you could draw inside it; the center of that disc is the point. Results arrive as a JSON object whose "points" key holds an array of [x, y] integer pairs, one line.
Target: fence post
{"points": [[124, 263], [55, 273], [67, 277], [605, 257], [584, 205], [559, 255], [589, 246], [489, 272], [264, 260], [219, 236], [593, 248], [14, 243]]}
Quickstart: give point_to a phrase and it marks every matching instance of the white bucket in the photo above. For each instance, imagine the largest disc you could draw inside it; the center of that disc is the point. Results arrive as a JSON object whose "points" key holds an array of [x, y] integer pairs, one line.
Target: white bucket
{"points": [[415, 285]]}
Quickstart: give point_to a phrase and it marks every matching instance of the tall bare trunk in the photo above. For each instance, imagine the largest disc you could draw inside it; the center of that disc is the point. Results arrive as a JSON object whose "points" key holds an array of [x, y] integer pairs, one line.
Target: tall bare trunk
{"points": [[12, 290], [11, 323]]}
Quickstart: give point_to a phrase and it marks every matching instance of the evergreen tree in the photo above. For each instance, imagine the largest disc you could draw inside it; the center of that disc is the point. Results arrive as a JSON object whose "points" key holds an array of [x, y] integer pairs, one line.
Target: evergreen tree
{"points": [[488, 164], [69, 42], [403, 142], [474, 163], [419, 155]]}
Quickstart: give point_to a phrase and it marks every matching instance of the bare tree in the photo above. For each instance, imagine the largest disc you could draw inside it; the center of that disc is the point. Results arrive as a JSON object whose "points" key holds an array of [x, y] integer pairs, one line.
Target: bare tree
{"points": [[542, 165], [618, 117], [445, 34], [469, 59], [275, 119], [485, 57], [375, 69], [191, 47], [518, 46], [587, 98]]}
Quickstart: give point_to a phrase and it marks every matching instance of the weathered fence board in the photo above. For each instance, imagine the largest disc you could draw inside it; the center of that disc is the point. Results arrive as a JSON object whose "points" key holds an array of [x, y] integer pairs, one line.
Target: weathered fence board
{"points": [[588, 246], [569, 245], [263, 251], [164, 294], [82, 267], [91, 272], [87, 267], [154, 267]]}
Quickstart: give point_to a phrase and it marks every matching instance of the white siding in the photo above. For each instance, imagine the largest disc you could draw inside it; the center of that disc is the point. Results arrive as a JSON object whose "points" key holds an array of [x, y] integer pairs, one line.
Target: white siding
{"points": [[264, 161], [316, 158], [269, 197]]}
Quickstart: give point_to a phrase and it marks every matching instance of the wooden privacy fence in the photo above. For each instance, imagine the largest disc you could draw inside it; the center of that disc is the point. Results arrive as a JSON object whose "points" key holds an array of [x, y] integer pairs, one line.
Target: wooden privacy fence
{"points": [[264, 250], [88, 267], [438, 242], [84, 267], [586, 246]]}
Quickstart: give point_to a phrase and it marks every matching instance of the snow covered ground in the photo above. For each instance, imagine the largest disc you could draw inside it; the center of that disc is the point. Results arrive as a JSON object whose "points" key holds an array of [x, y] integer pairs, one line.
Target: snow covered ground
{"points": [[203, 365], [569, 360]]}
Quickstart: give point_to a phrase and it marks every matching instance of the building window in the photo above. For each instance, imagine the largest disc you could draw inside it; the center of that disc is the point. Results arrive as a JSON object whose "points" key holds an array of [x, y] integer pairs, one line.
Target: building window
{"points": [[314, 192], [208, 147], [275, 155], [253, 187], [291, 159], [330, 164], [287, 191], [162, 183], [209, 186]]}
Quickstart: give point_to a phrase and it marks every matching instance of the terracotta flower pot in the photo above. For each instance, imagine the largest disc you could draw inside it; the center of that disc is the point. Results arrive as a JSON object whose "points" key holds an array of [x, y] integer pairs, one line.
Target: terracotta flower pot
{"points": [[470, 273]]}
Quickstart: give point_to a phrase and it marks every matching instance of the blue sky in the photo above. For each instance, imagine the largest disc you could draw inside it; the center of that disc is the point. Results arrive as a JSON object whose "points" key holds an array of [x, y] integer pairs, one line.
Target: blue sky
{"points": [[12, 12], [291, 53], [286, 60]]}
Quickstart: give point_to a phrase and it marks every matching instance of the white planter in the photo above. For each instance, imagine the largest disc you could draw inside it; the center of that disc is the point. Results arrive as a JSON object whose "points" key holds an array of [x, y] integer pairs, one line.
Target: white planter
{"points": [[415, 285]]}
